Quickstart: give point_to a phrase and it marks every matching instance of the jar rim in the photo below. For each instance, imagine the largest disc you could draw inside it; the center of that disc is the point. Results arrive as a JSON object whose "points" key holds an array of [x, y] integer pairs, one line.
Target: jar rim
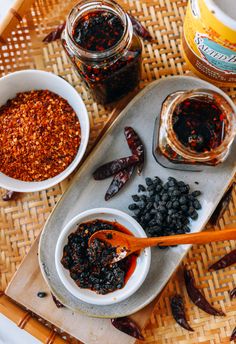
{"points": [[86, 6], [184, 151]]}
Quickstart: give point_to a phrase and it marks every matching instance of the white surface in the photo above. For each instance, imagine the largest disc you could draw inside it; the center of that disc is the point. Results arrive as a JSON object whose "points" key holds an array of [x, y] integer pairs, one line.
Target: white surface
{"points": [[136, 279], [11, 334], [4, 7], [12, 84]]}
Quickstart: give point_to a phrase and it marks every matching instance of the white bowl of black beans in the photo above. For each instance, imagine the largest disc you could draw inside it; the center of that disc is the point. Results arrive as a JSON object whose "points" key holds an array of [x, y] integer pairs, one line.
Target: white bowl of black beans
{"points": [[85, 272], [46, 138]]}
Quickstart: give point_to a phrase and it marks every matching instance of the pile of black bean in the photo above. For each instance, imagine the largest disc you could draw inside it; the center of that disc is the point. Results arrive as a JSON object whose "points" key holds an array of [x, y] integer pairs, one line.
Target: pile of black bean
{"points": [[165, 208]]}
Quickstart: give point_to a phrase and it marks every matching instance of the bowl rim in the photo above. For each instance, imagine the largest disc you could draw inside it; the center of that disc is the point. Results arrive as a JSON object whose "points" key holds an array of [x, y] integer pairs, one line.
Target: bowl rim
{"points": [[74, 290], [47, 183]]}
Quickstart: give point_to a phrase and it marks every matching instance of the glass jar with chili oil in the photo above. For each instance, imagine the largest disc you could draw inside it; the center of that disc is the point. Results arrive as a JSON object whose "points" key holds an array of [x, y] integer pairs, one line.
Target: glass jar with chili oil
{"points": [[197, 127], [101, 43]]}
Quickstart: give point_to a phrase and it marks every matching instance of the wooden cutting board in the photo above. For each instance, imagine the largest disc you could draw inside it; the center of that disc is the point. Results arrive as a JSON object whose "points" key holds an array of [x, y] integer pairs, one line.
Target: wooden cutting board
{"points": [[28, 281]]}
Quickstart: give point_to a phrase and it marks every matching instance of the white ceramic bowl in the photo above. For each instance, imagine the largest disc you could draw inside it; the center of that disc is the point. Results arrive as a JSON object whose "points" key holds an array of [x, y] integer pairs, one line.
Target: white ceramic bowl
{"points": [[28, 80], [135, 280]]}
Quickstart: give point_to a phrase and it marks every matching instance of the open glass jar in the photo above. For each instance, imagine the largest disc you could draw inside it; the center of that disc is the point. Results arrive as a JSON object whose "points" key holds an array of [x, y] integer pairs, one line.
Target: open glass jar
{"points": [[197, 127], [100, 41]]}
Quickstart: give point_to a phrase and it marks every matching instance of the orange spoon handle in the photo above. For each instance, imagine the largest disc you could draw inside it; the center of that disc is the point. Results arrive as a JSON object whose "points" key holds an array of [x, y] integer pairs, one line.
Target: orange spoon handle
{"points": [[193, 238]]}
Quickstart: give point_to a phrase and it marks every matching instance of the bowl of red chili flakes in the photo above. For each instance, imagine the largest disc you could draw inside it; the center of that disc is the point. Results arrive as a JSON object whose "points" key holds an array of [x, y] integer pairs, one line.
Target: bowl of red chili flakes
{"points": [[44, 130]]}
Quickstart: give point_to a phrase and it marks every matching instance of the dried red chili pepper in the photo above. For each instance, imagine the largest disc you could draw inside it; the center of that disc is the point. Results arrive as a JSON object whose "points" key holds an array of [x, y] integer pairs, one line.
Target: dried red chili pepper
{"points": [[119, 180], [232, 293], [227, 260], [233, 335], [122, 168], [10, 195], [140, 29], [55, 34], [221, 207], [178, 312], [196, 296], [115, 166], [136, 146], [128, 326], [57, 302]]}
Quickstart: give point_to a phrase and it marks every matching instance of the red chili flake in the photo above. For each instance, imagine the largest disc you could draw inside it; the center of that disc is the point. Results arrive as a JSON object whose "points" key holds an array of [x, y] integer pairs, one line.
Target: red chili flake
{"points": [[39, 136], [222, 117]]}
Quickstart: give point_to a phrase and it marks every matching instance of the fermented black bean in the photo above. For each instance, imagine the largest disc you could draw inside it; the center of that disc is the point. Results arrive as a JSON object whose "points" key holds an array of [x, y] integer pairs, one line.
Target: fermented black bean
{"points": [[165, 208]]}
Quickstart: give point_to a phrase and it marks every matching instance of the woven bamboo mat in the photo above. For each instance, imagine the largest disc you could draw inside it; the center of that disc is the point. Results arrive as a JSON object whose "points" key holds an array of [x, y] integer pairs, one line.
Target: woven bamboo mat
{"points": [[22, 220]]}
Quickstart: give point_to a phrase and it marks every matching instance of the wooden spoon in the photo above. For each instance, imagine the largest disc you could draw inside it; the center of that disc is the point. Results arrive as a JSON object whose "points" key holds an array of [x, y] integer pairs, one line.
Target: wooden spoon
{"points": [[126, 244]]}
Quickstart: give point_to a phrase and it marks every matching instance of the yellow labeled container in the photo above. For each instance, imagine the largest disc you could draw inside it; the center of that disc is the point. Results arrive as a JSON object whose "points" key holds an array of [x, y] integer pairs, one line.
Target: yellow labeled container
{"points": [[209, 40]]}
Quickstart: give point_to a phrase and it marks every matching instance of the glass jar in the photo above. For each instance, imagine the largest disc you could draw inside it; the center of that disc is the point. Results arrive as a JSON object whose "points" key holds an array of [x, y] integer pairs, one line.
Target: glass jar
{"points": [[186, 138], [110, 67]]}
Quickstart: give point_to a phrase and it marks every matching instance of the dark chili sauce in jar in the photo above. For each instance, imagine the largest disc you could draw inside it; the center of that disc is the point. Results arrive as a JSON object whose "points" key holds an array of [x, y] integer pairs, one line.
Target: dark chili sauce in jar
{"points": [[199, 124], [98, 30], [196, 127], [90, 267], [104, 49]]}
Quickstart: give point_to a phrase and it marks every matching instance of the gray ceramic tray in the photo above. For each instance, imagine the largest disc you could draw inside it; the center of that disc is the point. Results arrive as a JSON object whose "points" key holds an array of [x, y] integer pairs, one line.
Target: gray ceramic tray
{"points": [[85, 193]]}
